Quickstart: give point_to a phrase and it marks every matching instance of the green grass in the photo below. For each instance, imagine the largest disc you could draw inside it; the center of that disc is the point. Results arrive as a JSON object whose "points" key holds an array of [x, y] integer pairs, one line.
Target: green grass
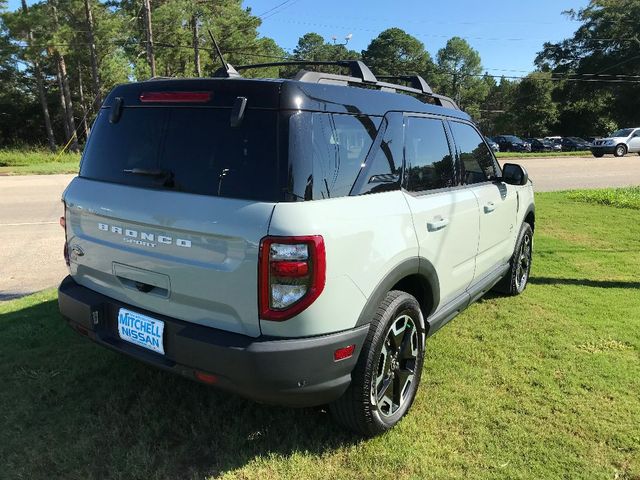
{"points": [[542, 154], [23, 162], [545, 385], [628, 197]]}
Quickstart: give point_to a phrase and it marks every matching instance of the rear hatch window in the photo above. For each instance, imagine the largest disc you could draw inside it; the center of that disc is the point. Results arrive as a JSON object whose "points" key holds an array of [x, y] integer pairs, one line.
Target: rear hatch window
{"points": [[187, 149]]}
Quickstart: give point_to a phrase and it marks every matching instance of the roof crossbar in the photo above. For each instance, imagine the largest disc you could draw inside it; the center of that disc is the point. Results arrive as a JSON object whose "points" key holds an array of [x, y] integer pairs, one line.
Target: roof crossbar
{"points": [[415, 81], [356, 67]]}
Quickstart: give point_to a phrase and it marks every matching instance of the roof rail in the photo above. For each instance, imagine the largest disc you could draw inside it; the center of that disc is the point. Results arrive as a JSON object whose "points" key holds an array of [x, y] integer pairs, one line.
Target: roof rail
{"points": [[359, 75]]}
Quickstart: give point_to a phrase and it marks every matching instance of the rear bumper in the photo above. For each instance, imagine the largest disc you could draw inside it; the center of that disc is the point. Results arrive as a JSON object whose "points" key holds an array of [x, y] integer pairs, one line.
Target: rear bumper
{"points": [[293, 372]]}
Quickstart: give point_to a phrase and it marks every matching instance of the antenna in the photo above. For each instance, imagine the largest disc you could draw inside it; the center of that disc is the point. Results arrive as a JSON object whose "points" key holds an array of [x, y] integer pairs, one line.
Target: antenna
{"points": [[226, 70]]}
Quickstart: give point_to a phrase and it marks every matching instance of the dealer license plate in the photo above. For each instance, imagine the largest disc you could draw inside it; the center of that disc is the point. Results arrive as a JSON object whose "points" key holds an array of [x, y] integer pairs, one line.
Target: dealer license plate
{"points": [[141, 330]]}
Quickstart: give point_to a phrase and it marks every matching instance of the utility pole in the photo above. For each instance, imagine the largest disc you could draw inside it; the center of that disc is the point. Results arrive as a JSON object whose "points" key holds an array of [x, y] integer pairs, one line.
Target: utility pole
{"points": [[196, 43], [147, 25], [95, 77], [40, 86]]}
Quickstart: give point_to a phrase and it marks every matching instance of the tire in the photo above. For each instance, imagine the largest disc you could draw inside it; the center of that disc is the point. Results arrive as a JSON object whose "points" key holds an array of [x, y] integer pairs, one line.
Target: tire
{"points": [[384, 381], [598, 155], [620, 151], [517, 278]]}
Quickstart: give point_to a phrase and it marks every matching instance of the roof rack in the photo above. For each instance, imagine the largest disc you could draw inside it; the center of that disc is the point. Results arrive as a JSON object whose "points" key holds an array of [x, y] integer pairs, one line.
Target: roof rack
{"points": [[359, 75], [415, 81], [356, 68]]}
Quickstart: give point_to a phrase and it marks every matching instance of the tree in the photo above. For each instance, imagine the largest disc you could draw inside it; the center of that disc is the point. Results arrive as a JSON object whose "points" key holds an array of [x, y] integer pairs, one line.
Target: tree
{"points": [[605, 51], [534, 111], [461, 68], [23, 23], [395, 52], [312, 46]]}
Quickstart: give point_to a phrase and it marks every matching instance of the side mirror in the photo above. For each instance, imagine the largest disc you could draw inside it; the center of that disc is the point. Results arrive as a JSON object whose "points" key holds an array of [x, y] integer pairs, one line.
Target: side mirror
{"points": [[514, 174]]}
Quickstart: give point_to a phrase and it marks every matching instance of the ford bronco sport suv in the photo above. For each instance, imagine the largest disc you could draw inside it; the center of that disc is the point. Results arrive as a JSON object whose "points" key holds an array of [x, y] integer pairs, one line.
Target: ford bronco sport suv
{"points": [[293, 241]]}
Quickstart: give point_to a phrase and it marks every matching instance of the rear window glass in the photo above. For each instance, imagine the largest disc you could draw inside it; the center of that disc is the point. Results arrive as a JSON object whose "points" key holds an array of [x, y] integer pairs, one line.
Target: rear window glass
{"points": [[187, 149]]}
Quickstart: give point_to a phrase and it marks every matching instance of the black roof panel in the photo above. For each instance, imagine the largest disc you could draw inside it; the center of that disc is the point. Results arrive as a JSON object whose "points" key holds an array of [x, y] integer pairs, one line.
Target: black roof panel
{"points": [[286, 95]]}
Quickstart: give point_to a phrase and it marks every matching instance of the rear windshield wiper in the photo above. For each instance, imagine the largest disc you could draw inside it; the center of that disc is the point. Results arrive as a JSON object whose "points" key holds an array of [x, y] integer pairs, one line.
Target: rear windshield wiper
{"points": [[166, 175], [149, 172]]}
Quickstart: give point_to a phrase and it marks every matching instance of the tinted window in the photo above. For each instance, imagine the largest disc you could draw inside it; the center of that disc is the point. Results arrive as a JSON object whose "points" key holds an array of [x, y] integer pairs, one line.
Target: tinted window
{"points": [[188, 149], [476, 158], [383, 167], [337, 146], [429, 161]]}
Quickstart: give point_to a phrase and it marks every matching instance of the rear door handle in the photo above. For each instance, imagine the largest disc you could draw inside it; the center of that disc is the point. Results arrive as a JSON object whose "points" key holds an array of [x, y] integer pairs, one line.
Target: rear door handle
{"points": [[489, 207], [437, 224]]}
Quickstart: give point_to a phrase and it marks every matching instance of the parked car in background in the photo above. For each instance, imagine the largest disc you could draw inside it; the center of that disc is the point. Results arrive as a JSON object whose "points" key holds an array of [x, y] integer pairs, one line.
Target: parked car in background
{"points": [[574, 144], [621, 142], [494, 146], [511, 143], [555, 141], [540, 145]]}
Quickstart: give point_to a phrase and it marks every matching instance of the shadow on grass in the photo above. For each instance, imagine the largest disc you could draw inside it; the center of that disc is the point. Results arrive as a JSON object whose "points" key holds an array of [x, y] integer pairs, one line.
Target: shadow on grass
{"points": [[74, 409], [583, 282]]}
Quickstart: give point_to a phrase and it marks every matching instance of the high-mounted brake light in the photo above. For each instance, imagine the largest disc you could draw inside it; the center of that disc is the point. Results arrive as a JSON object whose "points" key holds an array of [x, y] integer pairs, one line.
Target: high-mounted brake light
{"points": [[291, 275], [175, 97]]}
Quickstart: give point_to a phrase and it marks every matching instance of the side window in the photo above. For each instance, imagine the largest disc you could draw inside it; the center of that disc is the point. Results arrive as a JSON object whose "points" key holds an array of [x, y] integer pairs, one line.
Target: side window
{"points": [[429, 164], [340, 146], [476, 158], [383, 167]]}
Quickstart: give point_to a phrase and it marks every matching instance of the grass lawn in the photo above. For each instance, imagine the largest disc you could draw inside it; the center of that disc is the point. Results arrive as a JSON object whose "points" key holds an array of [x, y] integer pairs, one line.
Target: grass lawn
{"points": [[24, 162], [542, 154], [546, 385], [628, 197]]}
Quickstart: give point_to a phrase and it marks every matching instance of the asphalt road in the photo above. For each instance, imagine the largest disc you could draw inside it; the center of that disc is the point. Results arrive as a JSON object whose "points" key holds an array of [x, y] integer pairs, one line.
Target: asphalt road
{"points": [[565, 173], [31, 238]]}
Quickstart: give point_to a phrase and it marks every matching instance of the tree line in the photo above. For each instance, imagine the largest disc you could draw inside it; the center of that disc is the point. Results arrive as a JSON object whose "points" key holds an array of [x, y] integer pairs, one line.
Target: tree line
{"points": [[59, 58]]}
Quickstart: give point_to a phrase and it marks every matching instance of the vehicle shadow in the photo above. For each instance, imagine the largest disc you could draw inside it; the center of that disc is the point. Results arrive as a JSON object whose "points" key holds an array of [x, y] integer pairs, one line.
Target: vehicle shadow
{"points": [[97, 414], [583, 282]]}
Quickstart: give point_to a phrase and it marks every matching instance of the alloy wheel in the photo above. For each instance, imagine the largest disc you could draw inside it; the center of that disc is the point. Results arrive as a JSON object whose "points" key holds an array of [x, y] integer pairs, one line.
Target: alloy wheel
{"points": [[397, 363], [524, 263]]}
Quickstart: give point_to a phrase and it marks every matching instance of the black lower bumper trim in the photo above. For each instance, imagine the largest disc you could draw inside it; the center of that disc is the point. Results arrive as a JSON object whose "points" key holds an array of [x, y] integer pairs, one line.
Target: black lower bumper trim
{"points": [[292, 372]]}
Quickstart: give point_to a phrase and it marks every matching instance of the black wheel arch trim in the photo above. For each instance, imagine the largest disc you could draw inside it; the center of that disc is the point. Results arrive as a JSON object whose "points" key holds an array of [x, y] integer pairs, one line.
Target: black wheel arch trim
{"points": [[531, 209], [414, 266]]}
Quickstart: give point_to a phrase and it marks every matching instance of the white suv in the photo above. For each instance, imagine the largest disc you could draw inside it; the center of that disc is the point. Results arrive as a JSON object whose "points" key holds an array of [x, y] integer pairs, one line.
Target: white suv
{"points": [[293, 241], [620, 142]]}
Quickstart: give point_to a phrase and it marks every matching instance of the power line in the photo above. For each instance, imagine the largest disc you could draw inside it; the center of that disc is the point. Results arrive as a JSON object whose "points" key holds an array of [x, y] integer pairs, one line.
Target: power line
{"points": [[569, 77]]}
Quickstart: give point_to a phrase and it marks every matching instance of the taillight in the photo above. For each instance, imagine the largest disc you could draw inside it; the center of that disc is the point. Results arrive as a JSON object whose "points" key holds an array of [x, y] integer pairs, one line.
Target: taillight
{"points": [[63, 224], [291, 275]]}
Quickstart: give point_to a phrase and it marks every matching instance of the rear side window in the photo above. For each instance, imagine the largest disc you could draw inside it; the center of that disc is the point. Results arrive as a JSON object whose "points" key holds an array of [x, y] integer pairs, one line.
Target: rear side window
{"points": [[429, 163], [476, 158], [383, 168], [337, 146], [187, 149]]}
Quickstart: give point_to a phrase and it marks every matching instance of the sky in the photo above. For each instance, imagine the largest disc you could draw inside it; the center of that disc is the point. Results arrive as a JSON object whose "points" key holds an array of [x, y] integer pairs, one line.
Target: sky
{"points": [[507, 33]]}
